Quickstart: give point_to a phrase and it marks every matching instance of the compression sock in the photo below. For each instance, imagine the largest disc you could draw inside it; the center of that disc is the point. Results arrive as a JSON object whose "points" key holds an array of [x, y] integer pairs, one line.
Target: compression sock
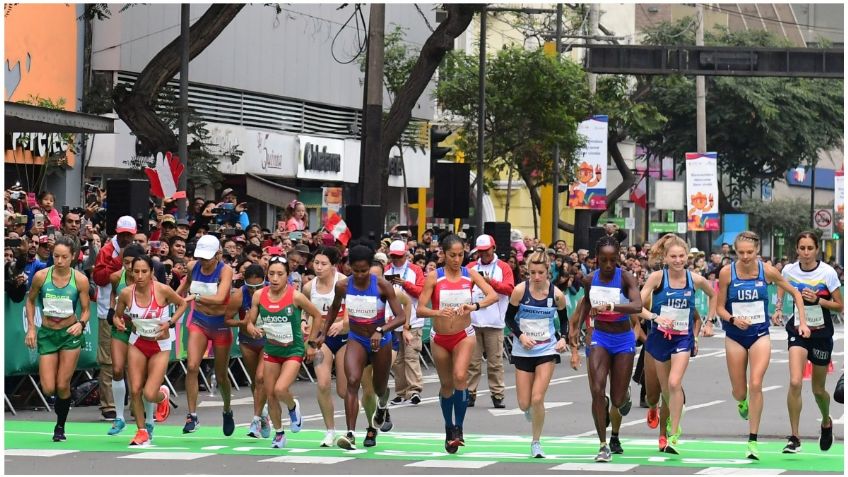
{"points": [[62, 407], [447, 409], [119, 394], [460, 405]]}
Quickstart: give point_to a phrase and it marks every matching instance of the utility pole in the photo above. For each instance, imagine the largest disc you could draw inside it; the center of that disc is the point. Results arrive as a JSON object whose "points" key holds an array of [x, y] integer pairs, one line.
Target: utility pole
{"points": [[556, 149], [593, 32], [481, 113], [582, 217], [813, 197], [185, 18], [701, 116], [370, 165]]}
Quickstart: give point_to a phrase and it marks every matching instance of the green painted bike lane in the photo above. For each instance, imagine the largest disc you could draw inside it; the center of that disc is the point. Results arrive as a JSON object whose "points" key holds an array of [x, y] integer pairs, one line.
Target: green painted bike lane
{"points": [[412, 446]]}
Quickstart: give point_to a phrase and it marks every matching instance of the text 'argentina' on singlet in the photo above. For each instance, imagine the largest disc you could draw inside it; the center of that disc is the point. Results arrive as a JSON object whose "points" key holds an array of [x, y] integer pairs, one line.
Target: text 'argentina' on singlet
{"points": [[365, 306], [447, 294], [536, 319], [675, 303], [748, 298], [604, 293]]}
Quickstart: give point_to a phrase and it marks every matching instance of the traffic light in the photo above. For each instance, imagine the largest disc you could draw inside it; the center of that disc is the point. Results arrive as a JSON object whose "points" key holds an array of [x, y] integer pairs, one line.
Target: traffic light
{"points": [[436, 136]]}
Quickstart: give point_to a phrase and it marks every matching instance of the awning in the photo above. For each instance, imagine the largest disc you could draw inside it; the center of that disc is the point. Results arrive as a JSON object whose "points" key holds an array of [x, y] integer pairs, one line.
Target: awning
{"points": [[25, 118], [726, 237], [270, 192]]}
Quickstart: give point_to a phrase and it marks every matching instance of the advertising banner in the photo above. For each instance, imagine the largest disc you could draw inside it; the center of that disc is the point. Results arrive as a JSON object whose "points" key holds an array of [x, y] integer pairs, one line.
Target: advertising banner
{"points": [[331, 202], [320, 158], [590, 189], [839, 192], [702, 191]]}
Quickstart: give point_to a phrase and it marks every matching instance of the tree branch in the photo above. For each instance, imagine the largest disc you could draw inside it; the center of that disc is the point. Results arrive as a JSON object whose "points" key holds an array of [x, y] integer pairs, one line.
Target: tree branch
{"points": [[627, 180]]}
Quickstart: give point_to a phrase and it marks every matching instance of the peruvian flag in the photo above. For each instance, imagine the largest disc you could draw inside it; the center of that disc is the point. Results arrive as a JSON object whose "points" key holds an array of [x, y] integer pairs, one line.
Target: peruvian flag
{"points": [[639, 192], [165, 175], [336, 226]]}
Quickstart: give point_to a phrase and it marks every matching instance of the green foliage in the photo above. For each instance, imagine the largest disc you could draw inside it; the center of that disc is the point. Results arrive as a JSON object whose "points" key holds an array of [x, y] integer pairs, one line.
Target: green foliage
{"points": [[533, 102], [760, 127], [790, 216]]}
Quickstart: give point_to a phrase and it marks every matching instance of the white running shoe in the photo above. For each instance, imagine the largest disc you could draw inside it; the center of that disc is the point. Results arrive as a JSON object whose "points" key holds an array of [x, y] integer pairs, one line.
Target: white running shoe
{"points": [[329, 438]]}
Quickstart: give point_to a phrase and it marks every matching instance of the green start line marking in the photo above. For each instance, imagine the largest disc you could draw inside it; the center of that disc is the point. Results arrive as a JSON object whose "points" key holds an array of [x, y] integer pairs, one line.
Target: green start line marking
{"points": [[416, 446]]}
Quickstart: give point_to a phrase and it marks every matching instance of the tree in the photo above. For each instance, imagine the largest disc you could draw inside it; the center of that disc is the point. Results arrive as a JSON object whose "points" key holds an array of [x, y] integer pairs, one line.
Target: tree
{"points": [[789, 216], [760, 127]]}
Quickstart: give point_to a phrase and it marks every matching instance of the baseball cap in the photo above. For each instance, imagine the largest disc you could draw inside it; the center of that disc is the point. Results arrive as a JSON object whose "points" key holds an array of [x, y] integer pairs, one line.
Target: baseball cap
{"points": [[484, 242], [381, 257], [206, 248], [226, 192], [397, 248], [462, 235], [303, 248], [182, 222], [126, 224], [274, 251], [43, 239], [168, 219]]}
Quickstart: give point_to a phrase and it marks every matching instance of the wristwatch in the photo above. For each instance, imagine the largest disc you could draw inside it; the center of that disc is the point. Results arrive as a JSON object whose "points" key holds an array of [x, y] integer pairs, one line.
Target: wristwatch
{"points": [[172, 324], [379, 330], [731, 320], [478, 306], [312, 343]]}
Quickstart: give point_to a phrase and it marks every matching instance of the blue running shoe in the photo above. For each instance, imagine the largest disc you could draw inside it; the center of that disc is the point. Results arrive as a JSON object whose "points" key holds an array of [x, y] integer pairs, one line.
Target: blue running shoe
{"points": [[117, 427], [296, 417]]}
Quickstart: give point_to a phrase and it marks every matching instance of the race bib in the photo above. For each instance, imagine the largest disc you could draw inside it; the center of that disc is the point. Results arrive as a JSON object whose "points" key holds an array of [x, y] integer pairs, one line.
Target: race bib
{"points": [[362, 307], [61, 307], [815, 316], [604, 296], [146, 328], [450, 299], [754, 310], [203, 288], [537, 330], [279, 332], [323, 303], [680, 317]]}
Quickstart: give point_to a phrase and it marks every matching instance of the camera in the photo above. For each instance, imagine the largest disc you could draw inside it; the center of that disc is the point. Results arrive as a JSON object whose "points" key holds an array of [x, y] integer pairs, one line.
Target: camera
{"points": [[20, 219], [17, 195]]}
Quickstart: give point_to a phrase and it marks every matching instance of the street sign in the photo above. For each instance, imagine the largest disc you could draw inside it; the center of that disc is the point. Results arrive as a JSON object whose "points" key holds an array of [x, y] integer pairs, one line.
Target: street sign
{"points": [[666, 227], [823, 219], [630, 223]]}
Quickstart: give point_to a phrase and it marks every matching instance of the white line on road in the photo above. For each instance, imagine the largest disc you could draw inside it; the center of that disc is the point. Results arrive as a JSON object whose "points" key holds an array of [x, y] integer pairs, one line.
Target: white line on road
{"points": [[307, 459], [738, 471], [517, 411], [602, 467], [166, 455], [452, 464], [36, 452]]}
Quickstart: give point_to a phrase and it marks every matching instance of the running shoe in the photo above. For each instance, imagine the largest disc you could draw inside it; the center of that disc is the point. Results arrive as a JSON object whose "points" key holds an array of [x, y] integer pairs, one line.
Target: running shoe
{"points": [[458, 439], [329, 438], [668, 427], [826, 439], [254, 431], [663, 443], [296, 417], [397, 400], [347, 441], [415, 399], [370, 437], [603, 454], [498, 403], [615, 445], [625, 408], [279, 440], [117, 427], [379, 416], [265, 426], [149, 429], [472, 399], [450, 448], [536, 450], [753, 450], [742, 407], [191, 424], [653, 418], [229, 423], [141, 439], [163, 409], [793, 445], [671, 445], [59, 434], [387, 422]]}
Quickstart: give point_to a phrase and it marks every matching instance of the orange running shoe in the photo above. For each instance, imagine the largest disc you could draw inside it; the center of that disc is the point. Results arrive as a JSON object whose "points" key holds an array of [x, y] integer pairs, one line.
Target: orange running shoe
{"points": [[141, 439], [663, 443], [163, 409], [653, 418]]}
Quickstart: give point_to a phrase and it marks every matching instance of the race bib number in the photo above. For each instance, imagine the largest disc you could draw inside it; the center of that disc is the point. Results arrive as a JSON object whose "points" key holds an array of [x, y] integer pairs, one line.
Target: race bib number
{"points": [[279, 332], [146, 328], [59, 307], [815, 316], [450, 299], [754, 311], [537, 330], [604, 296], [680, 317], [363, 307]]}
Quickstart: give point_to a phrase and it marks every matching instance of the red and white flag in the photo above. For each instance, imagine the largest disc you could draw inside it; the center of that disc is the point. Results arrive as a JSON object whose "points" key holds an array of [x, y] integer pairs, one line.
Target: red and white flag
{"points": [[639, 192], [165, 176], [338, 228]]}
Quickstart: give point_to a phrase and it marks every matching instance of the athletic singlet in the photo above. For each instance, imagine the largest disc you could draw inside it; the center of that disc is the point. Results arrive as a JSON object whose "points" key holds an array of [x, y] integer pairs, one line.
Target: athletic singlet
{"points": [[748, 298], [147, 319], [536, 320], [280, 320], [447, 294], [604, 293], [206, 285], [677, 304], [323, 301], [822, 280], [365, 307], [58, 303]]}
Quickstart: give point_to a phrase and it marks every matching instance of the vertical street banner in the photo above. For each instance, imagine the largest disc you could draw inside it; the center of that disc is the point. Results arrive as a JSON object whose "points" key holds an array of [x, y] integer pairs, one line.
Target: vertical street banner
{"points": [[839, 192], [589, 191], [702, 191], [331, 202]]}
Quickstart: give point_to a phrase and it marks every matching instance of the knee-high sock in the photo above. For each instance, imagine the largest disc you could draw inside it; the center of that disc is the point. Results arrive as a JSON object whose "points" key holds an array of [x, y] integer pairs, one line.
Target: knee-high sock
{"points": [[460, 405], [62, 407], [447, 408], [119, 394], [149, 410]]}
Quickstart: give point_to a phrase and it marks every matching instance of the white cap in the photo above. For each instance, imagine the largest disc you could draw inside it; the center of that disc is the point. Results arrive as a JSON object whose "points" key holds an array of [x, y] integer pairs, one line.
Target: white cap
{"points": [[381, 257], [126, 224], [485, 242], [207, 246], [516, 236], [694, 250], [397, 248]]}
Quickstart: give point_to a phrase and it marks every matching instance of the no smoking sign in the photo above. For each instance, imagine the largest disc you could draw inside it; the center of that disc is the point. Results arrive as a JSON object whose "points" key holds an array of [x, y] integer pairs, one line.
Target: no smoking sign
{"points": [[823, 219]]}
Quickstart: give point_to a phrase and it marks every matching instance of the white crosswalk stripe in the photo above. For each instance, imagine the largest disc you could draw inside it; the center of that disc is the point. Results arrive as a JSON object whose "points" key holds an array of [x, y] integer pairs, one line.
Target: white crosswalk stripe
{"points": [[573, 467], [36, 452], [738, 471], [307, 459], [452, 464], [166, 456]]}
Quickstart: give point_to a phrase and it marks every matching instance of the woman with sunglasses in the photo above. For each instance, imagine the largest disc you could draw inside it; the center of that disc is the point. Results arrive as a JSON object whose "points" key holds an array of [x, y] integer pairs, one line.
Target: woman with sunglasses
{"points": [[452, 337], [276, 314], [365, 296], [150, 344], [251, 348], [208, 284]]}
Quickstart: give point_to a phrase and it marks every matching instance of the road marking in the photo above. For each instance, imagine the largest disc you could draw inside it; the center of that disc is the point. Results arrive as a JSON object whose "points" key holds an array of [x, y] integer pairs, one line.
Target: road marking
{"points": [[233, 402], [738, 471], [771, 388], [452, 464], [307, 459], [517, 411], [642, 421], [709, 355], [598, 467], [213, 447], [166, 456], [36, 452]]}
